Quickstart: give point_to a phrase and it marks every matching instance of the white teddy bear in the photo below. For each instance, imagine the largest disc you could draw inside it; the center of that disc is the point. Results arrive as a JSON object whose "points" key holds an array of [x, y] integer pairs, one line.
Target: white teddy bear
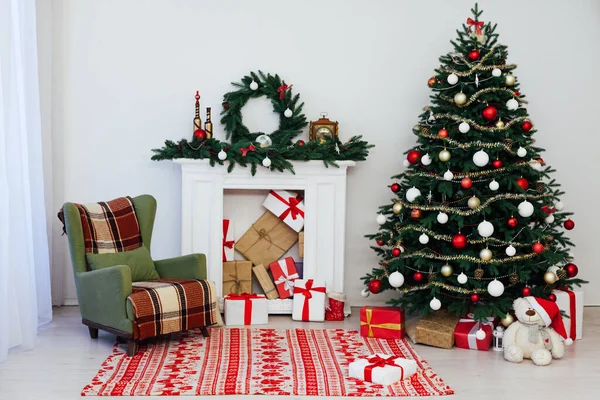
{"points": [[537, 332]]}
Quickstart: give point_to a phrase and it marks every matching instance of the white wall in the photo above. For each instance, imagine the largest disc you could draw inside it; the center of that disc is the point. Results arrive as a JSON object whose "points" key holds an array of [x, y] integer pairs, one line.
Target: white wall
{"points": [[124, 73]]}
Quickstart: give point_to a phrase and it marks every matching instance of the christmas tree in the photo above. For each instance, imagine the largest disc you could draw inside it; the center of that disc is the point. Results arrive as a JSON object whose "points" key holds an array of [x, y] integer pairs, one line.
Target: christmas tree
{"points": [[476, 220]]}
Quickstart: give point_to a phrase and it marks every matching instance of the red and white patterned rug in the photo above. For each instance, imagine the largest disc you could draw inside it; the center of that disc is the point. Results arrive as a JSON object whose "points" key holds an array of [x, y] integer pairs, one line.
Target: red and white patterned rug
{"points": [[257, 361]]}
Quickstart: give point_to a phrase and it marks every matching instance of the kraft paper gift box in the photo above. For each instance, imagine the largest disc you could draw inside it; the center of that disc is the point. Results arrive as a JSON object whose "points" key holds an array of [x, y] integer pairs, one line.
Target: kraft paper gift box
{"points": [[437, 329], [267, 240], [228, 240], [383, 369], [237, 277], [382, 322], [287, 206], [284, 274], [246, 309], [309, 300], [265, 282], [301, 244], [571, 303], [466, 330]]}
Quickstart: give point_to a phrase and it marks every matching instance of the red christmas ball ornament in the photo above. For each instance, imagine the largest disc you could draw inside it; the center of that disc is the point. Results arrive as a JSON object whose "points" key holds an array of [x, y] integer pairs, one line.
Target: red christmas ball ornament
{"points": [[497, 164], [538, 248], [395, 187], [459, 241], [569, 224], [300, 143], [374, 286], [431, 81], [517, 93], [572, 270], [418, 276], [526, 126], [380, 242], [552, 297], [474, 297], [396, 252], [443, 133], [415, 214], [474, 55], [200, 134], [489, 113], [413, 156], [466, 183], [526, 291], [523, 183], [512, 222], [541, 161]]}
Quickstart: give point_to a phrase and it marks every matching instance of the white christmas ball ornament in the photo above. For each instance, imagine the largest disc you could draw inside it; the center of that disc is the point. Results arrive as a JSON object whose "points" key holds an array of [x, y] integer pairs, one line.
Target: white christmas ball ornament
{"points": [[381, 219], [365, 292], [559, 205], [452, 79], [525, 209], [423, 239], [485, 229], [462, 278], [464, 127], [495, 288], [448, 175], [396, 279], [253, 85], [288, 113], [536, 165], [435, 304], [496, 72], [481, 158], [222, 155], [412, 194], [442, 218], [406, 163], [494, 185], [511, 251], [426, 160], [480, 334], [521, 152], [554, 269], [460, 98], [512, 104], [266, 162], [549, 219]]}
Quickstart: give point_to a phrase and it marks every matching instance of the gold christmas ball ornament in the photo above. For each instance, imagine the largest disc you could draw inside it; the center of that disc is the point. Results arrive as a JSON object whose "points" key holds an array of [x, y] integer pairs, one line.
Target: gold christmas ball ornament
{"points": [[510, 80], [446, 270], [478, 274], [416, 129], [473, 202], [485, 254], [444, 155], [397, 208], [460, 98], [500, 124], [509, 319], [550, 278]]}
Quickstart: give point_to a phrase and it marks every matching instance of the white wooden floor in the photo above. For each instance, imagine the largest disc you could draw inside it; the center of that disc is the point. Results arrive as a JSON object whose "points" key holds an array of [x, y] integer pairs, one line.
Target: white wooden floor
{"points": [[66, 359]]}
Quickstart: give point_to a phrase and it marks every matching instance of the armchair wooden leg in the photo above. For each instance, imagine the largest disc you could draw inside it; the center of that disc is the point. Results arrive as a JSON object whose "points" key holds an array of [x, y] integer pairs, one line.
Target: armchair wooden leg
{"points": [[204, 331], [132, 347], [93, 332]]}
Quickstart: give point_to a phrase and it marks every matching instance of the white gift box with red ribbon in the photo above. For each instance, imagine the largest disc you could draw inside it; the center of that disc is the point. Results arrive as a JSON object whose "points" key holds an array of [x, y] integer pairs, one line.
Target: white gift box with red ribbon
{"points": [[228, 242], [246, 309], [382, 368], [288, 206], [309, 300], [465, 333], [284, 274], [571, 303]]}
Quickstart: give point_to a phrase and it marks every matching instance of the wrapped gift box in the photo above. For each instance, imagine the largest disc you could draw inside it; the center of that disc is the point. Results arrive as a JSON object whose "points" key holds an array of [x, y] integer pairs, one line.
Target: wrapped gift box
{"points": [[466, 330], [381, 368], [267, 240], [334, 309], [571, 303], [228, 242], [382, 322], [309, 300], [301, 244], [246, 309], [284, 274], [288, 206], [237, 277], [437, 329], [265, 281]]}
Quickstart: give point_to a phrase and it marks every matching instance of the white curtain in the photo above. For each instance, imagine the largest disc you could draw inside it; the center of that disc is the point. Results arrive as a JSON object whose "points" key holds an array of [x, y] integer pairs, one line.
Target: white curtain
{"points": [[24, 258]]}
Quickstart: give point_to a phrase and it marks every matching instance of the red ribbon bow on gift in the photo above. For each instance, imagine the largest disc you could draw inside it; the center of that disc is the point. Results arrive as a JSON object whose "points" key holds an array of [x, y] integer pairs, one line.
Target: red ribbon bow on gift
{"points": [[292, 204], [478, 25], [247, 304], [226, 243], [245, 150], [548, 210], [378, 362], [306, 292], [282, 89], [572, 311]]}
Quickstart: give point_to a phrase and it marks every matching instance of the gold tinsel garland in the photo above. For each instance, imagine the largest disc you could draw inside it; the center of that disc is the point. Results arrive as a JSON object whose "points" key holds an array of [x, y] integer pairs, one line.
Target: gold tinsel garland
{"points": [[482, 91], [476, 174], [475, 124], [498, 261], [444, 286], [480, 66], [424, 131]]}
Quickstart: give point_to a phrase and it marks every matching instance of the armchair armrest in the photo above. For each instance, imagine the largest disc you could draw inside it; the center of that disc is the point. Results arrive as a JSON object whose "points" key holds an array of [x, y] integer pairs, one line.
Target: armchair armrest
{"points": [[103, 295], [191, 266]]}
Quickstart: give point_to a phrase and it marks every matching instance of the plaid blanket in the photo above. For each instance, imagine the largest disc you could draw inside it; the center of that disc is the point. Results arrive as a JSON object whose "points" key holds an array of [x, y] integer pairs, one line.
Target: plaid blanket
{"points": [[172, 305]]}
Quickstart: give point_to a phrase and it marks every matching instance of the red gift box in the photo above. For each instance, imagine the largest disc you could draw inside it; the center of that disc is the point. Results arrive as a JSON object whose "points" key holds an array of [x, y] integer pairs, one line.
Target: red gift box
{"points": [[382, 322], [466, 331], [284, 274]]}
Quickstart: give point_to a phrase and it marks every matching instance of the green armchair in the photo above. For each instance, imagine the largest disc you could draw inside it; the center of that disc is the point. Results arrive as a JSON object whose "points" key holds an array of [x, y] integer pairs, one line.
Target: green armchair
{"points": [[102, 293]]}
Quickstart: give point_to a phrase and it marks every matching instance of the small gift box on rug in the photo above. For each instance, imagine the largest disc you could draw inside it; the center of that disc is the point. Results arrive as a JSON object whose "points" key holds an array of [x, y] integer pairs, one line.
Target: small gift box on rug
{"points": [[301, 244], [465, 333], [334, 311], [228, 242], [245, 309], [382, 322], [288, 206], [265, 281], [437, 329], [285, 274], [571, 302], [267, 240], [382, 368], [237, 277], [309, 300]]}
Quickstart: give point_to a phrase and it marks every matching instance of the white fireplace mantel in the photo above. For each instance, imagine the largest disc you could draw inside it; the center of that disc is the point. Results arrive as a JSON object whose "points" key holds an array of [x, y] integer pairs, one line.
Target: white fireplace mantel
{"points": [[325, 210]]}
